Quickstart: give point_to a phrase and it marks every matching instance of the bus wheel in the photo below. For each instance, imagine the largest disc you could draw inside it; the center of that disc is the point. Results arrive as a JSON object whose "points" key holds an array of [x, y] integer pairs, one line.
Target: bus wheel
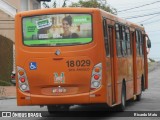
{"points": [[52, 109], [140, 95], [55, 108], [123, 98]]}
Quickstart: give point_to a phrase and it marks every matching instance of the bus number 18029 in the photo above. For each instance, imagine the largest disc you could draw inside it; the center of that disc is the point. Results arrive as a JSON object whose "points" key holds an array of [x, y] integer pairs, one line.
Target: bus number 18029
{"points": [[78, 63]]}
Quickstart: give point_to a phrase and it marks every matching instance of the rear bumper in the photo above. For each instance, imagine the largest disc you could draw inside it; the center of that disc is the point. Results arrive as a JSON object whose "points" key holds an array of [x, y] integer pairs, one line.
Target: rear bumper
{"points": [[97, 96]]}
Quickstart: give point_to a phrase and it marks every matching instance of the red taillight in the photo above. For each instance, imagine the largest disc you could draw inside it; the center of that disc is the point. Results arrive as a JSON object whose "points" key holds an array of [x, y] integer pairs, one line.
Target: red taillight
{"points": [[96, 77], [12, 76], [22, 80]]}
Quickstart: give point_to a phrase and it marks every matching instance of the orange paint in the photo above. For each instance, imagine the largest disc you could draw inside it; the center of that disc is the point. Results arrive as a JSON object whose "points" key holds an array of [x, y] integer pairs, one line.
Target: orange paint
{"points": [[65, 77]]}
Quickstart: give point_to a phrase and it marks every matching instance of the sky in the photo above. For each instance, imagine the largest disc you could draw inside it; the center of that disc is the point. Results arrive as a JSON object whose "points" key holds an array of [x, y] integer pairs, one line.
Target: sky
{"points": [[134, 8], [151, 23]]}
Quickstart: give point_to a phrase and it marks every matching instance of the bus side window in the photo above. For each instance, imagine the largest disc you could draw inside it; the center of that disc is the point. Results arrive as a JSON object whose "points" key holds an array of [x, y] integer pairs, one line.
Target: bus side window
{"points": [[106, 37], [137, 43], [140, 43], [128, 41], [118, 40], [124, 48]]}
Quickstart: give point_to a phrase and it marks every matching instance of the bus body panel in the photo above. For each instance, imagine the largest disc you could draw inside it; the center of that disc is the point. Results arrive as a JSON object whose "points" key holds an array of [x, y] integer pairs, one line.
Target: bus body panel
{"points": [[77, 79], [54, 71], [84, 98], [109, 82], [47, 77], [139, 61], [130, 82]]}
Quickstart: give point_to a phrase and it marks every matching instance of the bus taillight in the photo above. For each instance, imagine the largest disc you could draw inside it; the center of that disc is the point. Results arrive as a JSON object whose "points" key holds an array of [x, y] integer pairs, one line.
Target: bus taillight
{"points": [[22, 80], [97, 69], [96, 84], [21, 72], [96, 76], [23, 87]]}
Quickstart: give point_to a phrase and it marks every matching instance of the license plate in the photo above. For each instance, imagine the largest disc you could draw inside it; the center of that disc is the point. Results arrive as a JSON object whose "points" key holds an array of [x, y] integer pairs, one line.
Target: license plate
{"points": [[59, 90]]}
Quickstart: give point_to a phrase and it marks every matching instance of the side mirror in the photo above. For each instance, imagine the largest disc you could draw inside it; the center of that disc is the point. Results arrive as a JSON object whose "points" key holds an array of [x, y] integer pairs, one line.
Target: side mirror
{"points": [[149, 43]]}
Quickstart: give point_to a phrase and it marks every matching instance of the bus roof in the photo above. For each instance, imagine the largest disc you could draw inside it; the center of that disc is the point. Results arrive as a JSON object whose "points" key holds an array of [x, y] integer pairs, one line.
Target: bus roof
{"points": [[118, 19], [79, 10]]}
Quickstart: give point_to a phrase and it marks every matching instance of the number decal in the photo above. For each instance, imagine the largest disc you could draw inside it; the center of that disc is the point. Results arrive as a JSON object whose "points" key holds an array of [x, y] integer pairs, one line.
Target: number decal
{"points": [[78, 63], [83, 63], [72, 63], [67, 63], [88, 62]]}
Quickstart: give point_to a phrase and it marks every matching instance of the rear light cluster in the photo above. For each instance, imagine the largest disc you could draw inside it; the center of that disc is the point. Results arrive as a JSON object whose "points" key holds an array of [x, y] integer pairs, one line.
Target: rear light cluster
{"points": [[96, 76], [22, 80], [12, 76]]}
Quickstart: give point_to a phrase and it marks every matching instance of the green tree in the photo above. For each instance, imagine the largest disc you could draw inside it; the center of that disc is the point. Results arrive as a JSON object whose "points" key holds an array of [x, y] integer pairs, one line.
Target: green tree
{"points": [[54, 4], [94, 4]]}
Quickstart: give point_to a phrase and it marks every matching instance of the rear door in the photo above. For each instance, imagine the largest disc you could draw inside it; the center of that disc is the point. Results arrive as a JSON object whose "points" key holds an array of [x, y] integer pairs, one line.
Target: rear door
{"points": [[108, 35], [113, 83]]}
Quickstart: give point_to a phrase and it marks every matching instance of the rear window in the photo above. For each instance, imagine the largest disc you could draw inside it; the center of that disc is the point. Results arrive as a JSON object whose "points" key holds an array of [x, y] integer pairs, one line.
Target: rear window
{"points": [[57, 30]]}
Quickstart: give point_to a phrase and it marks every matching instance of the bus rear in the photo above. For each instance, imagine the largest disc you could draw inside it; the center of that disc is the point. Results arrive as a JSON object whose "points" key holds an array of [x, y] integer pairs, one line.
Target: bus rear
{"points": [[57, 57]]}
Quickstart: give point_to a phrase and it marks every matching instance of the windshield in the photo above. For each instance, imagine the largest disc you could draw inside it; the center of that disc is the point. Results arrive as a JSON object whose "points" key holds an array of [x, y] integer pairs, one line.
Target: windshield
{"points": [[57, 30]]}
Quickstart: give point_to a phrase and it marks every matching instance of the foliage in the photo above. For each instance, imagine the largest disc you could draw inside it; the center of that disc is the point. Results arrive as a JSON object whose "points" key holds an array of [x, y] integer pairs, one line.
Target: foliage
{"points": [[6, 58], [152, 60], [5, 83], [94, 4]]}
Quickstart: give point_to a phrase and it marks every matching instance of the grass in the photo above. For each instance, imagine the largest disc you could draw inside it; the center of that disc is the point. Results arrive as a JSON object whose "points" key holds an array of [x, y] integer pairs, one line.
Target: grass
{"points": [[5, 83]]}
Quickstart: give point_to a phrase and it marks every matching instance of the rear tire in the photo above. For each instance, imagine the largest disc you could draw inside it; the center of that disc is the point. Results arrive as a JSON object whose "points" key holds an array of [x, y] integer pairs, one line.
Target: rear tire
{"points": [[140, 95], [55, 108], [51, 109], [123, 98], [143, 84]]}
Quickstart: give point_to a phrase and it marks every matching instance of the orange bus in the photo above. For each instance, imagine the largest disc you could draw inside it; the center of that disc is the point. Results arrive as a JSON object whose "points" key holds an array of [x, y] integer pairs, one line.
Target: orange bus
{"points": [[68, 56]]}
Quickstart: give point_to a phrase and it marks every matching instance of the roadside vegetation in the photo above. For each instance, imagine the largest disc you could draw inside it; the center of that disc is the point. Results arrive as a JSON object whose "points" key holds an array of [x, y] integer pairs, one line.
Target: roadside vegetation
{"points": [[5, 83], [152, 64]]}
